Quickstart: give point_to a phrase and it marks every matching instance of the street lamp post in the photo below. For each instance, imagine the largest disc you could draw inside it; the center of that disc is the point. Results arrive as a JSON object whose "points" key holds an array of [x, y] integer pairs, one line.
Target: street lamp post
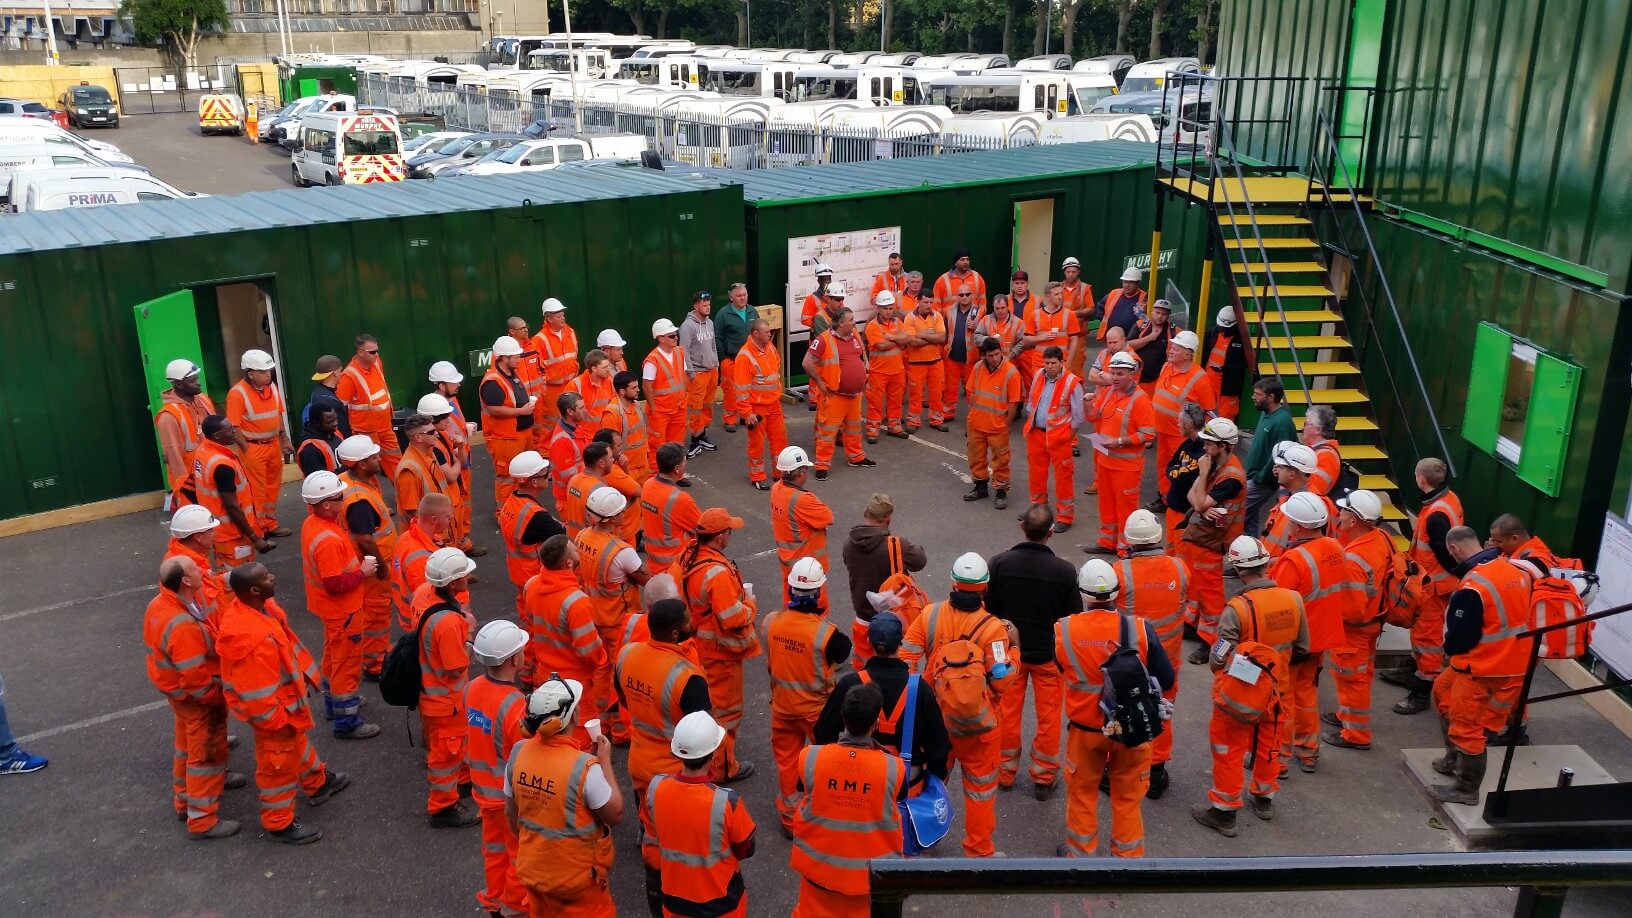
{"points": [[51, 58], [572, 70], [750, 36]]}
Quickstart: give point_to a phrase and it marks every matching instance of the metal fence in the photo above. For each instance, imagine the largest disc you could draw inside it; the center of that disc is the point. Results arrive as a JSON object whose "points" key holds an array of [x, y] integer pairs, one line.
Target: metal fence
{"points": [[407, 95]]}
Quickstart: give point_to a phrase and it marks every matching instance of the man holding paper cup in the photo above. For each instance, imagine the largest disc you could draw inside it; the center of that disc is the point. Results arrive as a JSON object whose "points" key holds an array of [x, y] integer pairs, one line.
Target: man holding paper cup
{"points": [[723, 610]]}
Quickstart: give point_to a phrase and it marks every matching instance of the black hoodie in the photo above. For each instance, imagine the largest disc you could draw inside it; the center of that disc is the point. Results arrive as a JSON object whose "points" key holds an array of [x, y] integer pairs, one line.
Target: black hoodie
{"points": [[867, 561]]}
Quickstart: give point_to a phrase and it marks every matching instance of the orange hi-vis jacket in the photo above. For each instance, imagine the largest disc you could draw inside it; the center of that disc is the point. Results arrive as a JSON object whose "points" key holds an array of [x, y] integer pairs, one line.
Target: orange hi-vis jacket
{"points": [[1272, 616], [180, 429], [627, 419], [444, 661], [557, 355], [637, 631], [668, 517], [1235, 509], [722, 613], [417, 476], [1082, 643], [1055, 329], [1155, 587], [1440, 580], [650, 676], [597, 393], [619, 479], [385, 531], [213, 595], [1278, 526], [258, 416], [574, 510], [758, 373], [884, 280], [884, 358], [799, 521], [561, 848], [1372, 554], [694, 825], [180, 639], [1328, 466], [828, 365], [848, 815], [209, 457], [796, 655], [668, 391], [991, 394], [611, 601], [939, 624], [945, 291], [1333, 589], [1114, 299], [1116, 415], [367, 397], [265, 670], [520, 561], [913, 324], [1077, 296], [493, 426], [566, 460], [414, 548], [1173, 389], [1007, 332], [1504, 594], [561, 623], [326, 551], [1058, 412], [494, 711]]}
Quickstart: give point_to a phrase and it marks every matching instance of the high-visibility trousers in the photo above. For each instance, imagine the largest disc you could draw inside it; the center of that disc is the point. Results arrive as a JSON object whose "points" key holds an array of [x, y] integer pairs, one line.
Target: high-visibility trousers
{"points": [[1048, 452], [1166, 446], [1300, 720], [700, 391], [664, 427], [989, 455], [772, 431], [884, 394], [979, 758], [1079, 363], [545, 414], [378, 596], [954, 381], [198, 772], [1229, 406], [390, 449], [445, 768], [284, 761], [462, 509], [1171, 522], [1029, 362], [724, 678], [838, 415], [728, 388], [1118, 497], [1088, 755], [503, 450], [1352, 664], [503, 893], [1046, 695], [1205, 602], [819, 902], [1161, 748], [263, 466], [1232, 742], [1473, 704], [1428, 635], [595, 901], [342, 668], [789, 737], [234, 550], [603, 692], [925, 382]]}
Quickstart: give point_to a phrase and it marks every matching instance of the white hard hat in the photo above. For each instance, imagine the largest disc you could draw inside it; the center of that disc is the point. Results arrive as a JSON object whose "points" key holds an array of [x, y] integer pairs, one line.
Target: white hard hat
{"points": [[792, 459], [497, 641], [1306, 510], [528, 464], [445, 372], [1296, 456], [1226, 317], [696, 736], [610, 338], [1248, 552], [1364, 504], [553, 305], [606, 502], [1221, 430], [1142, 528], [1133, 274], [884, 298], [447, 565], [557, 698], [434, 405], [180, 368], [192, 520], [356, 448], [506, 346], [257, 360], [1070, 263], [1124, 360], [1098, 579], [822, 269], [1187, 340], [320, 486], [970, 568], [836, 291], [663, 327], [1162, 304], [806, 574]]}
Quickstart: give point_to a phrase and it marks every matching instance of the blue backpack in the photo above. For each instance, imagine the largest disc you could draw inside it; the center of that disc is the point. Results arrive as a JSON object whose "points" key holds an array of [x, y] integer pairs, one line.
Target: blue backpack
{"points": [[927, 815]]}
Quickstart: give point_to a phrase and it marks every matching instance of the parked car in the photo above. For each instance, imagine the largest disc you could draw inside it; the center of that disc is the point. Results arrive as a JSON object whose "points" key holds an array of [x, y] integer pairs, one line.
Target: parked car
{"points": [[348, 148], [87, 104], [62, 189], [426, 142], [23, 108], [542, 155], [19, 157], [460, 151], [32, 130]]}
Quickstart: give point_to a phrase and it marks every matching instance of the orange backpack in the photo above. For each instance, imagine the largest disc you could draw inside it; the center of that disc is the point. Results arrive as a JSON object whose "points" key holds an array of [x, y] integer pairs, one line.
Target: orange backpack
{"points": [[1404, 586], [1249, 702], [913, 598], [1561, 594], [957, 670]]}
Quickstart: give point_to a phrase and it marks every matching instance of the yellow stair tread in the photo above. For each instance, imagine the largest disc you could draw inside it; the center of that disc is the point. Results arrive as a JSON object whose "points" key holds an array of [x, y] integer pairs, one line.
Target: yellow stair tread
{"points": [[1295, 315], [1355, 422], [1281, 267], [1391, 512], [1262, 220], [1328, 397], [1378, 483], [1293, 242], [1401, 543], [1309, 367], [1304, 342], [1353, 451], [1290, 290], [1271, 189]]}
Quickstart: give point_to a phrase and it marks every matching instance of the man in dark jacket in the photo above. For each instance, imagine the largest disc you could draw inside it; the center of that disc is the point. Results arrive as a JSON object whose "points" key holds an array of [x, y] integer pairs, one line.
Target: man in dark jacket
{"points": [[931, 747], [867, 558], [327, 378], [1033, 588]]}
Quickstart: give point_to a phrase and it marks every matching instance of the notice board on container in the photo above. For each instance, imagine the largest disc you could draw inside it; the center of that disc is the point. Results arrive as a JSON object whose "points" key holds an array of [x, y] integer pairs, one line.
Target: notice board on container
{"points": [[856, 257], [1612, 637]]}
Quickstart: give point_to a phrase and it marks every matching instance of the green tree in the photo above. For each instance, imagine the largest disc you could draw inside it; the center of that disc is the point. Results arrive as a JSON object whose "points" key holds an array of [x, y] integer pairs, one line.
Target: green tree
{"points": [[179, 23]]}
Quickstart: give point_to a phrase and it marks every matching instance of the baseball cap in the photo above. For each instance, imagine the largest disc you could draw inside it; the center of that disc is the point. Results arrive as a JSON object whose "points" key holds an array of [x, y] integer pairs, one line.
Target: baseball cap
{"points": [[718, 519], [1020, 275], [327, 366], [885, 631]]}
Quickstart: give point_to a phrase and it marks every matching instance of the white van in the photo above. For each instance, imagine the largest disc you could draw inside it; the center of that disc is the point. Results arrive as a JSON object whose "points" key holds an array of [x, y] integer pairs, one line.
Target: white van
{"points": [[1102, 126], [20, 157], [1114, 65], [722, 133], [593, 63], [679, 71], [764, 79], [544, 155], [992, 130], [30, 130], [1005, 91], [333, 102], [651, 114], [886, 133], [875, 85], [794, 131], [62, 189], [348, 148], [1149, 76], [1044, 62], [1087, 89]]}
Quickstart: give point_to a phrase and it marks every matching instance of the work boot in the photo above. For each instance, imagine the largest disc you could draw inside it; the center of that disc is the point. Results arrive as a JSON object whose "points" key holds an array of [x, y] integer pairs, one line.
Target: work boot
{"points": [[333, 783], [1001, 502], [1263, 807], [821, 474], [457, 816], [232, 741], [694, 449], [1307, 766], [236, 780], [863, 463], [1198, 656], [745, 770], [872, 439], [1330, 720], [730, 427], [371, 675], [978, 492], [296, 834], [1105, 783], [223, 828], [1402, 676], [1335, 738], [363, 731], [1158, 782], [1493, 738], [282, 532], [466, 788], [1445, 764], [1470, 774], [1414, 703], [1044, 791], [1061, 527], [1220, 821], [476, 551]]}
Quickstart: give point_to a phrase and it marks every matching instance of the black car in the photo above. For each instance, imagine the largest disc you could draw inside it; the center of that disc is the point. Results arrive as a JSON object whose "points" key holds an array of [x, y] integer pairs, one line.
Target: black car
{"points": [[87, 105]]}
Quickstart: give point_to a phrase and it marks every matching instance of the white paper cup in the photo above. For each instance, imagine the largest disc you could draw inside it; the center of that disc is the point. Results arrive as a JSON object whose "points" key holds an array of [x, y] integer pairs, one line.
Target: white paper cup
{"points": [[593, 728]]}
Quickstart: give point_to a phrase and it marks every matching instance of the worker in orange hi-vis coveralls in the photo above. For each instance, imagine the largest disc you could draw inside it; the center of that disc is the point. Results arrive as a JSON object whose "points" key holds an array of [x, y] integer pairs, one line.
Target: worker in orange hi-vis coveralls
{"points": [[959, 354], [1154, 588], [663, 376], [803, 652], [1371, 552], [555, 347], [886, 368], [626, 416], [1054, 406], [255, 406], [1048, 325], [1123, 424], [724, 613], [836, 364], [334, 574], [1218, 498], [507, 413], [1180, 381], [368, 401], [1078, 296], [495, 708], [926, 367], [946, 286], [373, 532], [758, 368], [443, 633], [223, 489]]}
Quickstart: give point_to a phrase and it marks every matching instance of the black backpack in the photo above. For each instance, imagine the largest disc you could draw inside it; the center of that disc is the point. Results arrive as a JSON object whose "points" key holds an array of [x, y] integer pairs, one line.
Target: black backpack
{"points": [[401, 680], [1130, 698]]}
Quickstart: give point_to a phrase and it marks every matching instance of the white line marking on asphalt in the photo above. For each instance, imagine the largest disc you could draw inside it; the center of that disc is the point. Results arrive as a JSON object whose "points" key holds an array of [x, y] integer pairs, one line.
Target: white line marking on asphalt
{"points": [[70, 603], [93, 722], [958, 473], [760, 554], [914, 438]]}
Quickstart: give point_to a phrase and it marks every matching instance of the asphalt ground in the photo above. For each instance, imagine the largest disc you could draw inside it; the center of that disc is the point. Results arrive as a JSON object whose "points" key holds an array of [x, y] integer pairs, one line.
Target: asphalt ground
{"points": [[171, 145], [93, 834]]}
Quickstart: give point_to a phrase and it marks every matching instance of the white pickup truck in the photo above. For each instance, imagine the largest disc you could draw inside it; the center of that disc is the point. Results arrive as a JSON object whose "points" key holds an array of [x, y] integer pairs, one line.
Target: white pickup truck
{"points": [[541, 155]]}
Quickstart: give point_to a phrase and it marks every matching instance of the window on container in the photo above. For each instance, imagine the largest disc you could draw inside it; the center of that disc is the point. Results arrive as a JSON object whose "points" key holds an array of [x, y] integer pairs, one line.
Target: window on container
{"points": [[1521, 406]]}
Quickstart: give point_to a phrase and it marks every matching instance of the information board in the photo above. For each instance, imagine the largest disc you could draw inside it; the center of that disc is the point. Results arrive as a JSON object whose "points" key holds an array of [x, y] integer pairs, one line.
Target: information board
{"points": [[1612, 637], [856, 257]]}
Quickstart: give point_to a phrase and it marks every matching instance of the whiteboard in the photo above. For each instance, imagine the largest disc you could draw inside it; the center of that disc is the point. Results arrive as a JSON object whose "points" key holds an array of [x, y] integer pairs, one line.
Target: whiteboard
{"points": [[856, 257], [1612, 638]]}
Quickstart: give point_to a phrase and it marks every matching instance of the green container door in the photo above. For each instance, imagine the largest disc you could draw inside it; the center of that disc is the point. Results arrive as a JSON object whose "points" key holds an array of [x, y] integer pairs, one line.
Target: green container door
{"points": [[167, 329]]}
